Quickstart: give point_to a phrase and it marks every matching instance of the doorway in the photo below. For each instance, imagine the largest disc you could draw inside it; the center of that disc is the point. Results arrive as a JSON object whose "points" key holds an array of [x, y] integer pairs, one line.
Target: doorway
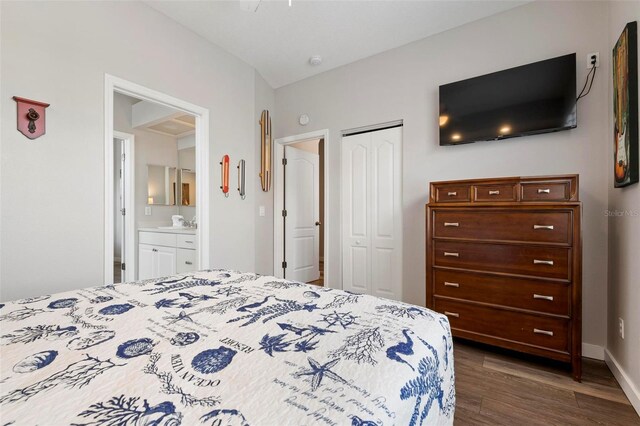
{"points": [[300, 222], [199, 118]]}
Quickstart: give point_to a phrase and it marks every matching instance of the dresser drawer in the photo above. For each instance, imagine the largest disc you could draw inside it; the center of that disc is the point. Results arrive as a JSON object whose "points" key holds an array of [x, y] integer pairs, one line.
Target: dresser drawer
{"points": [[513, 225], [452, 193], [548, 262], [187, 241], [157, 238], [546, 191], [529, 329], [501, 192], [534, 295]]}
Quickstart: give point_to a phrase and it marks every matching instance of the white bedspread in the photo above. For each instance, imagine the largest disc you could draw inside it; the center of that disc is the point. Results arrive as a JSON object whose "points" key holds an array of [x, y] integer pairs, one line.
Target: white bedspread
{"points": [[223, 348]]}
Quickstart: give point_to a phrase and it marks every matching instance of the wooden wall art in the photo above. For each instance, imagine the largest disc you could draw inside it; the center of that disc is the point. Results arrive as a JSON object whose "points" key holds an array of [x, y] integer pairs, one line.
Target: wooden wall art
{"points": [[224, 169], [31, 117], [265, 151]]}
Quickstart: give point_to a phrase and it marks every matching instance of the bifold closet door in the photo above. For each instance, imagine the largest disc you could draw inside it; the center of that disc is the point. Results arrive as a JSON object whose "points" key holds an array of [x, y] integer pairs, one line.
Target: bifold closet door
{"points": [[372, 213]]}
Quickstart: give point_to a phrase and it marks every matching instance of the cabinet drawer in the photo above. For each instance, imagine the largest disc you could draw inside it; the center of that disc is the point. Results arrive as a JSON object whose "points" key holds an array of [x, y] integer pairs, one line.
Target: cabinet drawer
{"points": [[548, 262], [187, 241], [541, 296], [452, 193], [546, 332], [546, 191], [157, 238], [505, 192], [518, 226], [186, 261]]}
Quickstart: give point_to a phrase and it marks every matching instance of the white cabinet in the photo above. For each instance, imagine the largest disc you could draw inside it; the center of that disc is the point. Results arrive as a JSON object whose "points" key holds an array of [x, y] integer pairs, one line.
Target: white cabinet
{"points": [[161, 254]]}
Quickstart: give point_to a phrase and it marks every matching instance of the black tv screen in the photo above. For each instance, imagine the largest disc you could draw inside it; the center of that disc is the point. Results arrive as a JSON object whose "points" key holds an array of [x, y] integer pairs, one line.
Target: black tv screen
{"points": [[526, 100]]}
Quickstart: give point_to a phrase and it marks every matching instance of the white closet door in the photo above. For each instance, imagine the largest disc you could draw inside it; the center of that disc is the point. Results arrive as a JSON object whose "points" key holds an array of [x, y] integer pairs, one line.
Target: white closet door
{"points": [[386, 213], [372, 213], [302, 202], [356, 241]]}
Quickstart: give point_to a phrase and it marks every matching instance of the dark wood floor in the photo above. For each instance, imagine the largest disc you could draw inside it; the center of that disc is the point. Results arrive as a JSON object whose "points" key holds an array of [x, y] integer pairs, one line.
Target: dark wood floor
{"points": [[501, 388]]}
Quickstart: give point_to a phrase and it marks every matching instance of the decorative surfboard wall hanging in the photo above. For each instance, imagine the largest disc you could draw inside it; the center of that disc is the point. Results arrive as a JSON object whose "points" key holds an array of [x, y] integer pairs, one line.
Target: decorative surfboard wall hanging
{"points": [[265, 151], [224, 168], [241, 180], [31, 117]]}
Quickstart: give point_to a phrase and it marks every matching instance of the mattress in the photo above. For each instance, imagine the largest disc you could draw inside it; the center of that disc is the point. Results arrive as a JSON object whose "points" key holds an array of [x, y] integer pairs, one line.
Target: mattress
{"points": [[223, 347]]}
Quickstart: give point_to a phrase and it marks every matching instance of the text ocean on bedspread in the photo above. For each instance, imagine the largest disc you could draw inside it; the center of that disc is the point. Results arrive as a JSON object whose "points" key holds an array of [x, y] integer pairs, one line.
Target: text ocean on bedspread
{"points": [[223, 348]]}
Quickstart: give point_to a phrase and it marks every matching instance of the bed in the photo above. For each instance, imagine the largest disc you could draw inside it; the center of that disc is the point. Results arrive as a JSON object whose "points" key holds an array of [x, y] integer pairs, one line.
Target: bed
{"points": [[223, 347]]}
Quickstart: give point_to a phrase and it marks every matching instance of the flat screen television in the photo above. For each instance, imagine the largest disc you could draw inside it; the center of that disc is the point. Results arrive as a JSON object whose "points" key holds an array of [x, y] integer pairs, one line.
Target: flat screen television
{"points": [[526, 100]]}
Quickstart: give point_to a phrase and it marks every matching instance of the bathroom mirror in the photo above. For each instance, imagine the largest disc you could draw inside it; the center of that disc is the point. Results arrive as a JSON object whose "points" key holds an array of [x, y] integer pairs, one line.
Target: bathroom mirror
{"points": [[161, 185], [187, 187]]}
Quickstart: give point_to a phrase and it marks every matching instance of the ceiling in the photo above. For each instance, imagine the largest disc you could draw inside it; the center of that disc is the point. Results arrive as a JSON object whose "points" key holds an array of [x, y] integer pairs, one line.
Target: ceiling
{"points": [[278, 40]]}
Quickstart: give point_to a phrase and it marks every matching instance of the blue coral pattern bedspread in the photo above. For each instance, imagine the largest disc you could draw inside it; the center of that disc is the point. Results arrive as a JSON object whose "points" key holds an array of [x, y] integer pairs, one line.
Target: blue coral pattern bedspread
{"points": [[223, 348]]}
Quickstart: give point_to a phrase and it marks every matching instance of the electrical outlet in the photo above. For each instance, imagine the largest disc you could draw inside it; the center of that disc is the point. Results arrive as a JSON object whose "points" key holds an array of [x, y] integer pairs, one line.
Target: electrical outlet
{"points": [[147, 211], [590, 59], [621, 324], [261, 211]]}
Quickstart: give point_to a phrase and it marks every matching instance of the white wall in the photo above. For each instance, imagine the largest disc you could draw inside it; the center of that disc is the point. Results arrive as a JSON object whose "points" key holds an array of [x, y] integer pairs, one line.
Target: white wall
{"points": [[52, 188], [403, 84], [624, 243]]}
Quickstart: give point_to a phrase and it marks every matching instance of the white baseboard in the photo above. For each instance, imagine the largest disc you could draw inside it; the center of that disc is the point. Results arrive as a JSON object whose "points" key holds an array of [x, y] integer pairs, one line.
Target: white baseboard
{"points": [[592, 351], [629, 388]]}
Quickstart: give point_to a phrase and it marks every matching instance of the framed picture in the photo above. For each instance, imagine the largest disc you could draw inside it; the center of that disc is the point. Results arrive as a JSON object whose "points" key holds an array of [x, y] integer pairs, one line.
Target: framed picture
{"points": [[625, 107]]}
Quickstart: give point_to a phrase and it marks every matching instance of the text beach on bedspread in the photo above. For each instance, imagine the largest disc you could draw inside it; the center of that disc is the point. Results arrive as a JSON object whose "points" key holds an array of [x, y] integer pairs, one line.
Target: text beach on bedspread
{"points": [[223, 348]]}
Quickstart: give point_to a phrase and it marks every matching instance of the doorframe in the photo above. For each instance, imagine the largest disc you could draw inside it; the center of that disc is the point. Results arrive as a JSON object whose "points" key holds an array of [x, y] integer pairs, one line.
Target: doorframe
{"points": [[278, 198], [114, 85], [129, 203]]}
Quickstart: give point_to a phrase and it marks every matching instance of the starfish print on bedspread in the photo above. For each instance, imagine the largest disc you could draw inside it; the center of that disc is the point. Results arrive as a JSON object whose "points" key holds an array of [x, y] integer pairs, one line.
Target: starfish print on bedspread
{"points": [[269, 312], [319, 371]]}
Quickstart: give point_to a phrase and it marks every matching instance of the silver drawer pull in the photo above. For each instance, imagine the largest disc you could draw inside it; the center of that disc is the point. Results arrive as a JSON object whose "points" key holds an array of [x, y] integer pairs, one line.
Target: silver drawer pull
{"points": [[188, 242], [543, 262], [451, 314], [188, 263], [544, 191], [448, 284], [550, 227], [451, 224], [494, 192], [546, 332], [449, 254], [452, 193], [542, 296]]}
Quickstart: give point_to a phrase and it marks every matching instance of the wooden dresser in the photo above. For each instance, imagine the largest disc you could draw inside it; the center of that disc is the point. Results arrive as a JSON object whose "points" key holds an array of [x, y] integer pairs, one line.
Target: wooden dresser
{"points": [[504, 263]]}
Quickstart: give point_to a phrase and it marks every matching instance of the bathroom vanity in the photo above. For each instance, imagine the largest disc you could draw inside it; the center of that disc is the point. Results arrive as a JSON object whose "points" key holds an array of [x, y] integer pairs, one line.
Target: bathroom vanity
{"points": [[166, 251]]}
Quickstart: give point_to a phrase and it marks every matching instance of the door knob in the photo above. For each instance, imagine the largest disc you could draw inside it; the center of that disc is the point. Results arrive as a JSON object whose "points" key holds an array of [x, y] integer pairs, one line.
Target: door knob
{"points": [[318, 223]]}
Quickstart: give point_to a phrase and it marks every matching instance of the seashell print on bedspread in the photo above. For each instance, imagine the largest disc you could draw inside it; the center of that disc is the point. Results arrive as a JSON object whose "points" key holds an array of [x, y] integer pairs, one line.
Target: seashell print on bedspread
{"points": [[223, 347]]}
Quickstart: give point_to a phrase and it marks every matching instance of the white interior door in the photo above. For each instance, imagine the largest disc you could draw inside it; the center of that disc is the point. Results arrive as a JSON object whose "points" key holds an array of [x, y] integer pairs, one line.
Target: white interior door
{"points": [[302, 203], [372, 213]]}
